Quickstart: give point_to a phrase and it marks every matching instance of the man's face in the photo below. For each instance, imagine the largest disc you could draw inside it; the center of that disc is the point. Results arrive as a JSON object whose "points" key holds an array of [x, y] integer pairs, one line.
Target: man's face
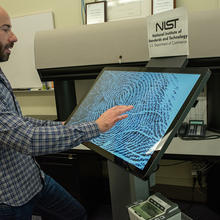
{"points": [[5, 44], [7, 37]]}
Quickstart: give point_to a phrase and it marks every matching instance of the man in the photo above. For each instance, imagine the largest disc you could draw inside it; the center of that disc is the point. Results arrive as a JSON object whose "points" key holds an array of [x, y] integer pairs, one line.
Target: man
{"points": [[23, 186]]}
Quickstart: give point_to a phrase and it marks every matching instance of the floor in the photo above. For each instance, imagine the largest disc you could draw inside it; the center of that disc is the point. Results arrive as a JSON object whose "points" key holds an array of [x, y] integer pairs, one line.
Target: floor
{"points": [[103, 212], [198, 211], [195, 211]]}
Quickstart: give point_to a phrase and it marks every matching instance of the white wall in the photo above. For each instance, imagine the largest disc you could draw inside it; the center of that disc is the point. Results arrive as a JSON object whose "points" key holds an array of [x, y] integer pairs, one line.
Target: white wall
{"points": [[37, 102], [198, 5], [67, 12]]}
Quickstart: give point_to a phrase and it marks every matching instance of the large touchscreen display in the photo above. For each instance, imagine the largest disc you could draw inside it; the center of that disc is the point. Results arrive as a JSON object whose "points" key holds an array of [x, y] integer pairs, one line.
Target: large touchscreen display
{"points": [[157, 98]]}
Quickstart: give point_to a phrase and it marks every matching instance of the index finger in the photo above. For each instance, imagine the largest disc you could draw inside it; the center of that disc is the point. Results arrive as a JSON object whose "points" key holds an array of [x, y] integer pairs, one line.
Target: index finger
{"points": [[123, 108]]}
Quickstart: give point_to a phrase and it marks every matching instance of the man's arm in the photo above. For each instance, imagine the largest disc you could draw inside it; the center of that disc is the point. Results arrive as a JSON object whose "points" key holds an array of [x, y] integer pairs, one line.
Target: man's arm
{"points": [[25, 138], [39, 122]]}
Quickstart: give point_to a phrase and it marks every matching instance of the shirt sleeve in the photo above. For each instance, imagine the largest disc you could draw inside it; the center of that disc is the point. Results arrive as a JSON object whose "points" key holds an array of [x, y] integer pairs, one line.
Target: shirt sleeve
{"points": [[26, 138], [38, 122]]}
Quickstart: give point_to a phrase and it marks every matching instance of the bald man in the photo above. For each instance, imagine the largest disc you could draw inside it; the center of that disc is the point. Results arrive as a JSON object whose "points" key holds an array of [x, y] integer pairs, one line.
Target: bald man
{"points": [[23, 185]]}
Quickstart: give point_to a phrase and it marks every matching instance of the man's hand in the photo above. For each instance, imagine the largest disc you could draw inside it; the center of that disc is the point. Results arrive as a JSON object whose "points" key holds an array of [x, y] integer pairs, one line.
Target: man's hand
{"points": [[108, 119]]}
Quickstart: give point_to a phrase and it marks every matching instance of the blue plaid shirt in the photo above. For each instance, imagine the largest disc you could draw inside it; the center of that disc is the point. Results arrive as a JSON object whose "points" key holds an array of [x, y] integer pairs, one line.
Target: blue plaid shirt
{"points": [[23, 137]]}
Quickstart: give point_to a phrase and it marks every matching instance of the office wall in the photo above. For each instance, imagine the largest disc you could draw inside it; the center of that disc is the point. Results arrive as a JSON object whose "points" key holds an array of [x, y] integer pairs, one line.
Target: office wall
{"points": [[66, 12], [37, 103], [198, 5]]}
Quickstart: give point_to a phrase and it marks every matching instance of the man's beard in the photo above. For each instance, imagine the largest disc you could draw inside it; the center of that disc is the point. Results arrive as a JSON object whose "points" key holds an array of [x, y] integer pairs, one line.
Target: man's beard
{"points": [[4, 56]]}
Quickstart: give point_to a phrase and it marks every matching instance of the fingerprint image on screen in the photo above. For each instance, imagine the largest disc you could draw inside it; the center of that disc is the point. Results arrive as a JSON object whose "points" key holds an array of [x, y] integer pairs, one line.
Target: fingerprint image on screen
{"points": [[156, 97]]}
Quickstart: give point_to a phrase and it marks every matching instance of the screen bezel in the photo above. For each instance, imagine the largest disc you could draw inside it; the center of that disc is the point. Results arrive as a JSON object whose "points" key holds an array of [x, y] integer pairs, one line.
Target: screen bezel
{"points": [[151, 166]]}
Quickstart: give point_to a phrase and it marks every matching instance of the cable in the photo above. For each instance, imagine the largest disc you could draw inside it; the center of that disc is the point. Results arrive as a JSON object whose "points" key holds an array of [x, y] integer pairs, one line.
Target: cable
{"points": [[82, 11], [199, 178], [209, 137], [212, 137], [190, 206], [156, 168], [193, 187], [173, 164]]}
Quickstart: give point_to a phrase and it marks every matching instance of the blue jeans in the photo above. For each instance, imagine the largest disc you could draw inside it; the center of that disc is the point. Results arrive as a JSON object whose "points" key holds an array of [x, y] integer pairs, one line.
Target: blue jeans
{"points": [[52, 203]]}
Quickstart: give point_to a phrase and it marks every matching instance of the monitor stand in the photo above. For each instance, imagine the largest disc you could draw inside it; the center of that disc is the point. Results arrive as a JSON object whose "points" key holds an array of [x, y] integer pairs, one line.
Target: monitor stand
{"points": [[126, 188], [173, 62]]}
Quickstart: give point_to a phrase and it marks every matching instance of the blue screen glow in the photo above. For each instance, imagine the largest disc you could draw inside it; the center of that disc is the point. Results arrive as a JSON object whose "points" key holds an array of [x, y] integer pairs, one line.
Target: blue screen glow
{"points": [[156, 97]]}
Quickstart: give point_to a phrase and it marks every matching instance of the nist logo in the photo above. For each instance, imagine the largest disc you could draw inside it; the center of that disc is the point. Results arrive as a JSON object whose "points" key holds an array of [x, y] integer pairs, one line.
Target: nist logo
{"points": [[166, 25]]}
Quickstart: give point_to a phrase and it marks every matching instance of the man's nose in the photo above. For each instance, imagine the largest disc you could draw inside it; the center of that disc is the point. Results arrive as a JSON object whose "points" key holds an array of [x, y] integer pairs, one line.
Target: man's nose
{"points": [[13, 37]]}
